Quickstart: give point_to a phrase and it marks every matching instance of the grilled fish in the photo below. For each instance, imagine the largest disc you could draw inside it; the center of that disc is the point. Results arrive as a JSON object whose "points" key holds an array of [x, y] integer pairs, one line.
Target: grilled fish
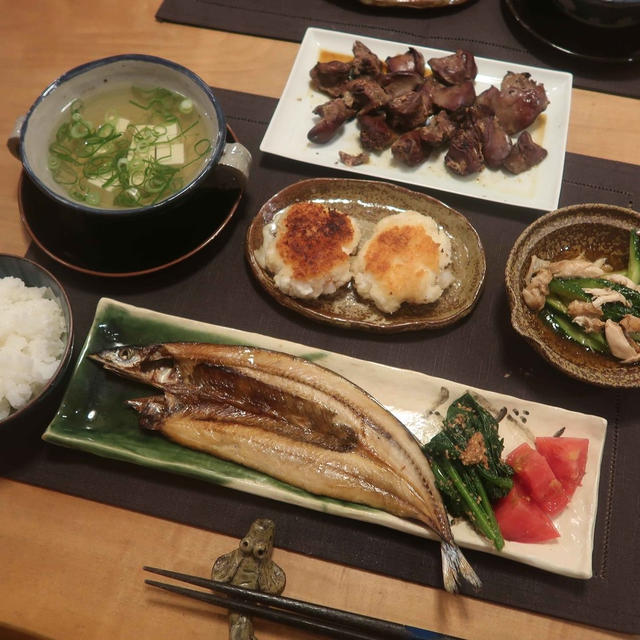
{"points": [[291, 419]]}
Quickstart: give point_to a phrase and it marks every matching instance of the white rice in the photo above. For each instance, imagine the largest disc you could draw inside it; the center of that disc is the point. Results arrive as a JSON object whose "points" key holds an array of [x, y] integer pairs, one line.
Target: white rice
{"points": [[32, 340]]}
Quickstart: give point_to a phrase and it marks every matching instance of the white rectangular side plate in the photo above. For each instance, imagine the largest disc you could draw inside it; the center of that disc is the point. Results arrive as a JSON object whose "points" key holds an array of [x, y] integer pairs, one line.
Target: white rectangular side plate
{"points": [[538, 188]]}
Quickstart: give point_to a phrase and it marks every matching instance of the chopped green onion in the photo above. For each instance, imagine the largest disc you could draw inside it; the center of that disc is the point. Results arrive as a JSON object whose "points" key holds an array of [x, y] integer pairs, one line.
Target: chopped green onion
{"points": [[137, 179], [186, 106], [106, 130], [133, 193], [184, 131], [79, 129], [93, 198], [131, 162], [77, 105], [64, 175]]}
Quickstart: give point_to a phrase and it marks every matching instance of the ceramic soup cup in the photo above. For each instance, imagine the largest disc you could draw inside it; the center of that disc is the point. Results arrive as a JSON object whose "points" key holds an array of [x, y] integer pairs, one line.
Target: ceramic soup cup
{"points": [[226, 164]]}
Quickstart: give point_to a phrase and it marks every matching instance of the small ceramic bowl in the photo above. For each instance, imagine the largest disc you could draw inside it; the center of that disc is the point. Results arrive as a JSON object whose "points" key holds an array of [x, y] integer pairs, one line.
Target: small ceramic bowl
{"points": [[33, 275], [227, 163], [595, 230], [612, 14], [368, 201]]}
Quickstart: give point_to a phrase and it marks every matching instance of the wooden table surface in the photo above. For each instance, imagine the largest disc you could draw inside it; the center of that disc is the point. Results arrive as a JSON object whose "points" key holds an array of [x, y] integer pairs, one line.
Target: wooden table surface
{"points": [[71, 568]]}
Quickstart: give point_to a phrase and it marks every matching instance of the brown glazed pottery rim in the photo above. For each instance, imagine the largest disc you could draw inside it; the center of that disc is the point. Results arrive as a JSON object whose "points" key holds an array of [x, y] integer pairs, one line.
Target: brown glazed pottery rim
{"points": [[597, 230], [368, 201]]}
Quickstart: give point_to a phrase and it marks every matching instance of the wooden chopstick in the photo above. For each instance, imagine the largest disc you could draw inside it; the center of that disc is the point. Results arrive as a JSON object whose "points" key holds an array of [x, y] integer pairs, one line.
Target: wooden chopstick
{"points": [[305, 615]]}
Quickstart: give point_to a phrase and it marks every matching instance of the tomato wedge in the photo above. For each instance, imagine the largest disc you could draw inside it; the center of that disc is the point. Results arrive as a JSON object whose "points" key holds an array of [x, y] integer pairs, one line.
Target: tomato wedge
{"points": [[567, 458], [522, 520], [534, 473]]}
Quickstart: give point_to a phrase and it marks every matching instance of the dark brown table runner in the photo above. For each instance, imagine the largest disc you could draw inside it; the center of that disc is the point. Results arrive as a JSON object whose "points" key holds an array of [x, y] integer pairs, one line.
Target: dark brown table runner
{"points": [[482, 350], [484, 27]]}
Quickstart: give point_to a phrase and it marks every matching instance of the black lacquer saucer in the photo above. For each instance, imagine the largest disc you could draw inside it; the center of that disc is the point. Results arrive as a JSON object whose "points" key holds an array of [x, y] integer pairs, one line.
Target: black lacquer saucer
{"points": [[545, 22], [124, 248]]}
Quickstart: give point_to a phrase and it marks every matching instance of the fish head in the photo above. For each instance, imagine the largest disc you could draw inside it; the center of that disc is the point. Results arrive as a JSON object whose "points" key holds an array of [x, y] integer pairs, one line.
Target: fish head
{"points": [[151, 411], [152, 364], [259, 540], [125, 358]]}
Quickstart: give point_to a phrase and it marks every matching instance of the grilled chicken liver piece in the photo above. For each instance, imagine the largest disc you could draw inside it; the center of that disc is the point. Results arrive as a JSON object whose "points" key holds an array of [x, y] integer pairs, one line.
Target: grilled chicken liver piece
{"points": [[332, 115], [407, 111], [464, 156], [364, 95], [409, 149], [520, 101], [454, 69], [365, 62], [412, 60], [438, 130], [353, 160], [375, 133], [496, 143], [330, 77], [454, 97], [395, 84], [524, 154]]}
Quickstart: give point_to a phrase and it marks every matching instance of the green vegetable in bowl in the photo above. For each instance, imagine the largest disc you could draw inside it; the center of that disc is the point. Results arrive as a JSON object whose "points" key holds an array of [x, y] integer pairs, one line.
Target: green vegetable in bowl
{"points": [[562, 291], [466, 458], [575, 289], [563, 326], [588, 303]]}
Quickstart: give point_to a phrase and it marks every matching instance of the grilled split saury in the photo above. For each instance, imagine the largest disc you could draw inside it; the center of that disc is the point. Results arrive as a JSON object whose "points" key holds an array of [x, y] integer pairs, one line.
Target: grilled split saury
{"points": [[294, 420]]}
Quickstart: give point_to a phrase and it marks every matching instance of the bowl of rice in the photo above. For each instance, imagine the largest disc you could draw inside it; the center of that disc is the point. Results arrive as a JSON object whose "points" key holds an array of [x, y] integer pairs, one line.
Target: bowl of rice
{"points": [[36, 335]]}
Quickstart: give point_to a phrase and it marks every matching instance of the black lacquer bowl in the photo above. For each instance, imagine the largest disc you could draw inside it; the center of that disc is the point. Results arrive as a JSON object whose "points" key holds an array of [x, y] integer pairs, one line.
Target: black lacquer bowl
{"points": [[610, 14], [557, 28]]}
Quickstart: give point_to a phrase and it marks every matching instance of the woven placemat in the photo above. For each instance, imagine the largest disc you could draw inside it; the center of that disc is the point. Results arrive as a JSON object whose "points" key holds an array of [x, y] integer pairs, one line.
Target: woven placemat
{"points": [[481, 351], [484, 27]]}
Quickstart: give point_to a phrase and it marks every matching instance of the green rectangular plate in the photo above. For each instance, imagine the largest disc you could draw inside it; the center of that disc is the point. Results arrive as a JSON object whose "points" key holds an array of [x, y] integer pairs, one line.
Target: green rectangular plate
{"points": [[94, 417]]}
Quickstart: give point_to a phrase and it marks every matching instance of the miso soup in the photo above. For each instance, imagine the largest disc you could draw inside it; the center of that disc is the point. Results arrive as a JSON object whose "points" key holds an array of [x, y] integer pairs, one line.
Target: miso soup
{"points": [[128, 147]]}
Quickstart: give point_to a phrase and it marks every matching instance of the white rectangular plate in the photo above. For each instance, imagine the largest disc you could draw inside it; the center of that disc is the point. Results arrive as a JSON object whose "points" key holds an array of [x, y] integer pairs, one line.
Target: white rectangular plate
{"points": [[94, 417], [538, 188]]}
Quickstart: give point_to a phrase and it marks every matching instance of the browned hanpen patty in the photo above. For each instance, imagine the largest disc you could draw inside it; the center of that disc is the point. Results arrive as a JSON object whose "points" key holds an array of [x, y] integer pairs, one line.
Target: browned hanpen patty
{"points": [[313, 238]]}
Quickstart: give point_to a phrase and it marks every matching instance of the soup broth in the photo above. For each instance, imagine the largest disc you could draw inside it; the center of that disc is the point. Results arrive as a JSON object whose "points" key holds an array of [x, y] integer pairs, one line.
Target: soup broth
{"points": [[128, 147]]}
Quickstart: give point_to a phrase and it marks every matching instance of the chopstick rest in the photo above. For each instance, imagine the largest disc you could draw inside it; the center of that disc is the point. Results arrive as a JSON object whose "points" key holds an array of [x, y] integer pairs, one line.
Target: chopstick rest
{"points": [[250, 566], [249, 583], [334, 623]]}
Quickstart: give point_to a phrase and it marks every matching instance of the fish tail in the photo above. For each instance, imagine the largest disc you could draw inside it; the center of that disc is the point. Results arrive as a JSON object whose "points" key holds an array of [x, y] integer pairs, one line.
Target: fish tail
{"points": [[455, 566]]}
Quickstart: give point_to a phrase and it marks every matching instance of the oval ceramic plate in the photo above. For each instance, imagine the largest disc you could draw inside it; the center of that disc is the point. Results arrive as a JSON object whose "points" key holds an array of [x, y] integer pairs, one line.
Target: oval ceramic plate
{"points": [[369, 201], [597, 230], [125, 248]]}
